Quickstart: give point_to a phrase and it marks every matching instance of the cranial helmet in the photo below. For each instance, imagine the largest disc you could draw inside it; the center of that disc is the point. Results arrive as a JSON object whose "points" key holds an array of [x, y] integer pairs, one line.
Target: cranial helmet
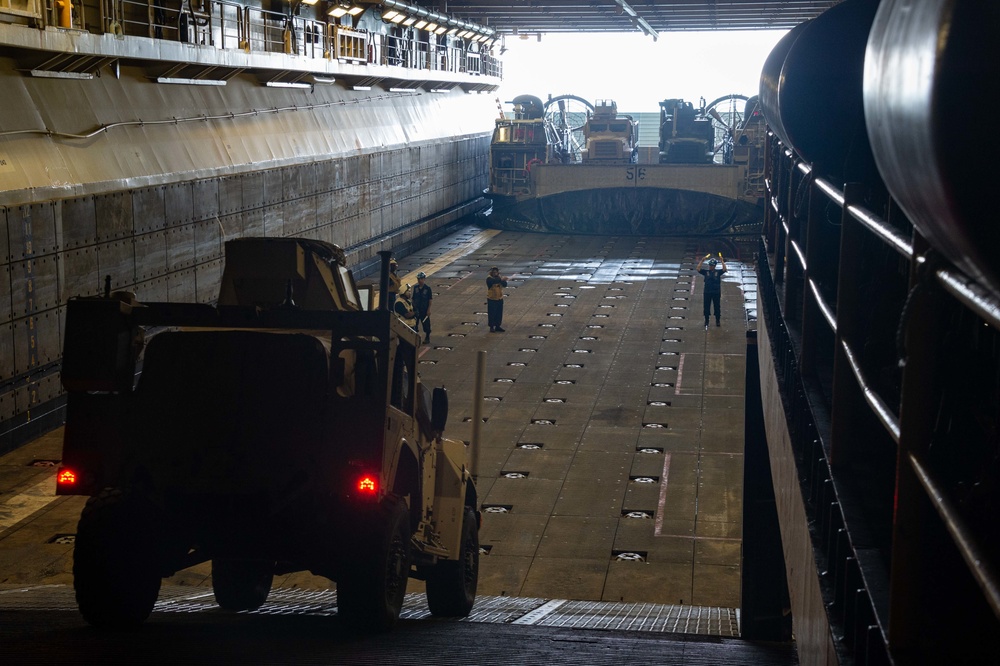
{"points": [[712, 262], [421, 275]]}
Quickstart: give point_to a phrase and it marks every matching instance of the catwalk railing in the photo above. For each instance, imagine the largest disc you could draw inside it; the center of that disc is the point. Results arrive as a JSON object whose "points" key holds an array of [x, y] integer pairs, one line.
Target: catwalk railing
{"points": [[889, 360], [228, 25]]}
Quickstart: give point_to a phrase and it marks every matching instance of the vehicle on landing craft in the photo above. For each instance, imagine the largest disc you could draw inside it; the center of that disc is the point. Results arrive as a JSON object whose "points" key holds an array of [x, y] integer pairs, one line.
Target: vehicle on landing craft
{"points": [[571, 167], [283, 430]]}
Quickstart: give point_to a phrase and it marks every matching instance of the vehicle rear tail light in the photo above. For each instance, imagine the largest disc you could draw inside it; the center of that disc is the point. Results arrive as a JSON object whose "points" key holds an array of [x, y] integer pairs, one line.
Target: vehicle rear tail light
{"points": [[66, 478], [367, 485]]}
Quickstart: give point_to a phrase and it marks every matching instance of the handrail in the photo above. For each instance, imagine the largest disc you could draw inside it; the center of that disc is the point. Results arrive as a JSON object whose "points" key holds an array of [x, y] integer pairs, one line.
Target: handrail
{"points": [[228, 25], [874, 400], [978, 563]]}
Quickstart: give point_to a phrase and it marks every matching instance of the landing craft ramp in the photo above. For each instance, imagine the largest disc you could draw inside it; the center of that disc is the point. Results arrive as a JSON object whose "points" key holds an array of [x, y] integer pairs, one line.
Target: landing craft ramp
{"points": [[610, 467]]}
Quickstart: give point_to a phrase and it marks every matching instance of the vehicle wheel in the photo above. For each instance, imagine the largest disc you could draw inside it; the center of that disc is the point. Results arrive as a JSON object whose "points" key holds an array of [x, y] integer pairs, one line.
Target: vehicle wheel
{"points": [[116, 571], [451, 584], [370, 592], [241, 585]]}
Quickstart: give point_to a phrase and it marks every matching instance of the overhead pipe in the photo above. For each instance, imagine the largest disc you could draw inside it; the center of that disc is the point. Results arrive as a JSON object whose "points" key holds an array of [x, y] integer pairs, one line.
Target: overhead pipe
{"points": [[926, 64]]}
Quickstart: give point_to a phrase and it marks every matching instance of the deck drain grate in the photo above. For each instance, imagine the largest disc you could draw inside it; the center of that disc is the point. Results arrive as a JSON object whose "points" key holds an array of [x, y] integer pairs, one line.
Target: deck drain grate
{"points": [[649, 449], [547, 325], [63, 539], [669, 340], [483, 314], [572, 365], [443, 348], [470, 323], [503, 380], [537, 337], [601, 316], [668, 353], [583, 351], [678, 307], [605, 305], [555, 400], [428, 362], [517, 364], [43, 462], [484, 549], [456, 335], [644, 479], [565, 381], [543, 421], [629, 555], [654, 425], [468, 419], [680, 298], [676, 317], [675, 328], [527, 349], [637, 514], [554, 314], [562, 305], [514, 475], [492, 398], [657, 403], [498, 508], [595, 325], [530, 446], [589, 286], [666, 367], [662, 384], [588, 337]]}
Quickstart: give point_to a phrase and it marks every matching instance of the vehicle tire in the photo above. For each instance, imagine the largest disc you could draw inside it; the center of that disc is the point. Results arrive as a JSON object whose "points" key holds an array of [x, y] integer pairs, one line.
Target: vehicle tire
{"points": [[241, 585], [451, 584], [370, 591], [116, 572]]}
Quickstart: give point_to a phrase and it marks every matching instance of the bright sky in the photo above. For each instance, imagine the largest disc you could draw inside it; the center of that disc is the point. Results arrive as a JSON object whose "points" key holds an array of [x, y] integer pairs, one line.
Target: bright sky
{"points": [[635, 71]]}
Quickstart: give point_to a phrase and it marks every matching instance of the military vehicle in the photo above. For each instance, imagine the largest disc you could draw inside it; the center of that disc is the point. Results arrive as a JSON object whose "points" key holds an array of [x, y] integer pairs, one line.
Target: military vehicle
{"points": [[284, 429]]}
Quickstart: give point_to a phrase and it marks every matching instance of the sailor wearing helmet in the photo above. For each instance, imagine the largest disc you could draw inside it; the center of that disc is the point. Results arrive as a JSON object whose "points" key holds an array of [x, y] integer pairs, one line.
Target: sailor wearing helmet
{"points": [[713, 285], [422, 296], [394, 284]]}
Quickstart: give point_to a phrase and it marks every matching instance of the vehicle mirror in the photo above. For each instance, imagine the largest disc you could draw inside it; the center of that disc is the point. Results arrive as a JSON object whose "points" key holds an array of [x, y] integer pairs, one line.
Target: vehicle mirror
{"points": [[439, 408]]}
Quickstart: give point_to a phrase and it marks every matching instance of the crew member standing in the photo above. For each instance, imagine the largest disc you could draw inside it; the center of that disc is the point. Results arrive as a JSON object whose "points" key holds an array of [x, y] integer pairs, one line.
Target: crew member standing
{"points": [[713, 285], [421, 297], [404, 308], [494, 299], [394, 283]]}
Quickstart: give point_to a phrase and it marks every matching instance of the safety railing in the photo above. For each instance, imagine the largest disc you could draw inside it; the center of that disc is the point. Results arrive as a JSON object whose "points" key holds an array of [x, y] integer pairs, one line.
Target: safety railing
{"points": [[895, 467], [228, 25]]}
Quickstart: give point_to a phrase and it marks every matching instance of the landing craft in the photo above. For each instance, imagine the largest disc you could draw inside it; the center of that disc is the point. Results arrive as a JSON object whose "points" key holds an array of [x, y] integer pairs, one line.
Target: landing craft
{"points": [[569, 166]]}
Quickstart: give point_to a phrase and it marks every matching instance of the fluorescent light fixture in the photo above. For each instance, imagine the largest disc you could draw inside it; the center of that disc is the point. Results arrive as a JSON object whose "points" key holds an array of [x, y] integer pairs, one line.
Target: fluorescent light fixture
{"points": [[420, 24], [453, 31], [337, 11], [309, 2], [409, 21], [389, 15], [431, 27], [287, 84], [398, 18], [441, 30], [355, 10]]}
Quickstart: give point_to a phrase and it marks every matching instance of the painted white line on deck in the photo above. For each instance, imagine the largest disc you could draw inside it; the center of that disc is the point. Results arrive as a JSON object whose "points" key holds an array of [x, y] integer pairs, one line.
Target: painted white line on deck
{"points": [[545, 609], [663, 494], [680, 373], [20, 506]]}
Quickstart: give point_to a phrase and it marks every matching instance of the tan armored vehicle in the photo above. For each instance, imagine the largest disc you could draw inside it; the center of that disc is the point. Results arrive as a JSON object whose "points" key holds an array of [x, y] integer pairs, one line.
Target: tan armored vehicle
{"points": [[283, 430]]}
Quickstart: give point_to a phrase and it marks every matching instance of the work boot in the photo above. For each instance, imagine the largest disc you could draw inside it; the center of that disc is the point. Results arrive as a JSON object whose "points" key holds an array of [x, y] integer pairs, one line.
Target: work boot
{"points": [[500, 330], [717, 322], [706, 323], [427, 339]]}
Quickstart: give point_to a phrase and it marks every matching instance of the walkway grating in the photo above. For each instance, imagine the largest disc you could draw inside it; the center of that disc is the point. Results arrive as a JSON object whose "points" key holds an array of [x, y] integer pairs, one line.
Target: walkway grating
{"points": [[642, 617]]}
